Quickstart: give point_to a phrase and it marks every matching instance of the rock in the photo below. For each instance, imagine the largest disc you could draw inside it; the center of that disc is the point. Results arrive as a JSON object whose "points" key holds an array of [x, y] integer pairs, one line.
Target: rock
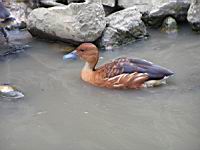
{"points": [[109, 6], [2, 39], [21, 25], [20, 11], [49, 3], [177, 9], [194, 15], [75, 1], [142, 5], [123, 27], [75, 23], [110, 3], [4, 12], [10, 92], [154, 11], [169, 25]]}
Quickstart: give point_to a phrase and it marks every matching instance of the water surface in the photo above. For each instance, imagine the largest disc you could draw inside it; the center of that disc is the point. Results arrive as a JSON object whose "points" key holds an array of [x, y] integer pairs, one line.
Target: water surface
{"points": [[60, 111]]}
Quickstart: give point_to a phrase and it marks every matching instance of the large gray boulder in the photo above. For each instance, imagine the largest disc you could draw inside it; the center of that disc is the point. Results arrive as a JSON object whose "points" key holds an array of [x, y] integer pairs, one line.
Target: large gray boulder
{"points": [[194, 15], [75, 23], [176, 8], [154, 11], [123, 27]]}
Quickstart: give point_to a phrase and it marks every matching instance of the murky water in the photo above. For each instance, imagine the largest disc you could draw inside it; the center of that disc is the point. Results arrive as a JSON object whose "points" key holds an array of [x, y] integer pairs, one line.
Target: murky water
{"points": [[60, 111]]}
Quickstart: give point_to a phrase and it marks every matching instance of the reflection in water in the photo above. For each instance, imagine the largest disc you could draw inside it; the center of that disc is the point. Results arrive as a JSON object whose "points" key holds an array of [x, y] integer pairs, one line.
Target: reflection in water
{"points": [[61, 111]]}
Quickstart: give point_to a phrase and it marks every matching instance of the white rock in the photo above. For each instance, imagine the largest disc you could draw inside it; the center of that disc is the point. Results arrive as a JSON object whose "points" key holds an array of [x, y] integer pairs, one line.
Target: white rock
{"points": [[77, 22]]}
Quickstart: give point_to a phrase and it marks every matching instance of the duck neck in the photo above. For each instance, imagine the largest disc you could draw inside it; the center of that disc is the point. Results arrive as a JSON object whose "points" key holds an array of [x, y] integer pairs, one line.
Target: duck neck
{"points": [[89, 66], [91, 62], [88, 72]]}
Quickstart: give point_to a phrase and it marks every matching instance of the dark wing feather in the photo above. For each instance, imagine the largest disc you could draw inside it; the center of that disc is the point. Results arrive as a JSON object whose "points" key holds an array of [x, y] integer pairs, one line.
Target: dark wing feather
{"points": [[155, 72], [141, 62], [125, 65]]}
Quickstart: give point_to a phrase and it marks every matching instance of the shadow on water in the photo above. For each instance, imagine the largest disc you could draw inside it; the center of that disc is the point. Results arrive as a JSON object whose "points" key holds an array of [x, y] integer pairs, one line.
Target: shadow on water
{"points": [[60, 111]]}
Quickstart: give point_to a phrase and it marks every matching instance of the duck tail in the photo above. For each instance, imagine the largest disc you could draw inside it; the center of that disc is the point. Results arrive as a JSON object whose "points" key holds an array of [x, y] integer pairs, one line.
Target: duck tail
{"points": [[156, 72]]}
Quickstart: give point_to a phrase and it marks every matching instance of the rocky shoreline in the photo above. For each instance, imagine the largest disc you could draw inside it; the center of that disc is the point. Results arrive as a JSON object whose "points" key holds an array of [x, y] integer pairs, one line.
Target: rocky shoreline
{"points": [[108, 23]]}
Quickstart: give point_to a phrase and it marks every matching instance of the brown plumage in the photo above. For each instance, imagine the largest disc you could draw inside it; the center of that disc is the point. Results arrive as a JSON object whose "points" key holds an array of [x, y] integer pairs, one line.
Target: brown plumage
{"points": [[120, 73]]}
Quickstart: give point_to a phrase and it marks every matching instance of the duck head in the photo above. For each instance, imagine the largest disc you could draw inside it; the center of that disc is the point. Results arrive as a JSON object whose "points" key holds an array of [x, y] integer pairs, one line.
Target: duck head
{"points": [[87, 52]]}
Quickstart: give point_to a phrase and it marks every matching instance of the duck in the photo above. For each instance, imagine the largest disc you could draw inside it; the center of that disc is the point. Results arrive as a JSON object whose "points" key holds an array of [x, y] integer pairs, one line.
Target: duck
{"points": [[5, 20], [120, 73]]}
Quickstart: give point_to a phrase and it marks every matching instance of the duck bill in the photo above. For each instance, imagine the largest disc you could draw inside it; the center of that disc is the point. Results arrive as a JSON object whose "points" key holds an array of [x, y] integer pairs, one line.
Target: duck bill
{"points": [[74, 52], [70, 56]]}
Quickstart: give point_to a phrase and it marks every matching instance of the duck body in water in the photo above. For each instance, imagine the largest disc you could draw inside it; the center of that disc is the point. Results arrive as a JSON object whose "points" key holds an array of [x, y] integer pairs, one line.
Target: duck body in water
{"points": [[5, 20], [125, 73]]}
